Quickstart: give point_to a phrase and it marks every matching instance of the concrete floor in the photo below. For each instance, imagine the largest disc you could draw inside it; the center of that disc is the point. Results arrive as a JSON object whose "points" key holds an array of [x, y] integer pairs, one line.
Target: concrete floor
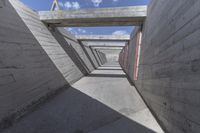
{"points": [[103, 102]]}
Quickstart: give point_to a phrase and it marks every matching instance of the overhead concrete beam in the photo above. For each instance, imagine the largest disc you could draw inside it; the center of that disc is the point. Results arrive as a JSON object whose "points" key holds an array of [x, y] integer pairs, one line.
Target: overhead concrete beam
{"points": [[118, 16], [104, 43], [108, 48], [103, 37]]}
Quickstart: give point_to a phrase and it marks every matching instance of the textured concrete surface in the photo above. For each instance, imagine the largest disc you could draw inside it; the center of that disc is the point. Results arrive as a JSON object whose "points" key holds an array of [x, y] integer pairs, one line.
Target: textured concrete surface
{"points": [[169, 71], [133, 15], [96, 56], [103, 37], [102, 102], [109, 54], [25, 68], [91, 56], [129, 56], [48, 42], [33, 61], [112, 55]]}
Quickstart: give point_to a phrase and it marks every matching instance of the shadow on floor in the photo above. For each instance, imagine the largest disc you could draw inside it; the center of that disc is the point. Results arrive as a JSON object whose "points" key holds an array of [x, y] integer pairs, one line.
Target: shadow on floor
{"points": [[75, 112]]}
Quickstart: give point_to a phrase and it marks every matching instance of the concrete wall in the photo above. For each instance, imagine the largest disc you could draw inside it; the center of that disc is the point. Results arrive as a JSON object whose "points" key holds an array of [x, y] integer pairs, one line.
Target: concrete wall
{"points": [[26, 70], [169, 66], [78, 49], [103, 57], [128, 55], [111, 55], [96, 56], [91, 55], [131, 55], [33, 63], [73, 50]]}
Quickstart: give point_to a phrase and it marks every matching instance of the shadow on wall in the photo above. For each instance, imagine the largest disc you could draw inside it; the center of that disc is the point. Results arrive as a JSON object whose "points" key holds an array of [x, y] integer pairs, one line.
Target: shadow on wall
{"points": [[71, 52], [81, 61], [100, 61], [95, 56], [75, 112], [86, 53]]}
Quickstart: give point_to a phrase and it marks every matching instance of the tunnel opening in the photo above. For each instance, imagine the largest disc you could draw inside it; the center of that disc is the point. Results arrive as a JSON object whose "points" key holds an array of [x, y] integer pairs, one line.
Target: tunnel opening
{"points": [[87, 70], [61, 72], [88, 73]]}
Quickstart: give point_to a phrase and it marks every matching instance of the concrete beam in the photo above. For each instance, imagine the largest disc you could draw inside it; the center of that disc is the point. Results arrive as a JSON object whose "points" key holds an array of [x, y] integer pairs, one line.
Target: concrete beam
{"points": [[118, 16], [104, 43], [103, 37], [108, 48]]}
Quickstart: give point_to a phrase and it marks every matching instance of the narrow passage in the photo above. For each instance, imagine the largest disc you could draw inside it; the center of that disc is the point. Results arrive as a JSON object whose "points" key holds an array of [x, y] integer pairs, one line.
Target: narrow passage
{"points": [[102, 102]]}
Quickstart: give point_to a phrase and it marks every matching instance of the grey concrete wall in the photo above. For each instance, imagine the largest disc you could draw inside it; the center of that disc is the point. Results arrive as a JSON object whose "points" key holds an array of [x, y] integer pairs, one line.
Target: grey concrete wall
{"points": [[79, 51], [74, 51], [48, 42], [169, 66], [111, 55], [77, 47], [26, 72], [103, 57], [33, 64], [96, 56], [91, 56], [99, 57], [132, 53]]}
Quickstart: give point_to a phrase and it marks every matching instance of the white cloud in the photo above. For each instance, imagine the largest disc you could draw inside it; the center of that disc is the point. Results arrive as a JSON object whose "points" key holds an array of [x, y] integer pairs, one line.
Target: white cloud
{"points": [[97, 2], [70, 5], [120, 32], [115, 0], [81, 30], [75, 31], [75, 5], [60, 4], [71, 30]]}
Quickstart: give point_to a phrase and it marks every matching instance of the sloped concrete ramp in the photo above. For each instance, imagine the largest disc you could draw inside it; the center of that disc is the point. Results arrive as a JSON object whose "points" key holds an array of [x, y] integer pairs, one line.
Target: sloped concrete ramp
{"points": [[102, 102]]}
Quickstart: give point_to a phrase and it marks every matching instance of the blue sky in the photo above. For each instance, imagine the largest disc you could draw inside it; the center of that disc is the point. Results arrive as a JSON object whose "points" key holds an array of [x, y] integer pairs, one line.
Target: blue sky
{"points": [[42, 5]]}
